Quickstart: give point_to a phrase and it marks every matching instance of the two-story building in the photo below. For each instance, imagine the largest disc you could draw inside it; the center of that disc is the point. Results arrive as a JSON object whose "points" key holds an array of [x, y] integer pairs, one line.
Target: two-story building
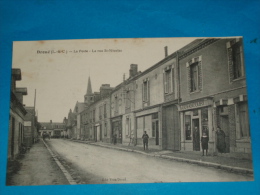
{"points": [[213, 94]]}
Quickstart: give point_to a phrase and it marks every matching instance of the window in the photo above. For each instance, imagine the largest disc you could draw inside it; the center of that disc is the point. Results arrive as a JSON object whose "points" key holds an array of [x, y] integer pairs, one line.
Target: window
{"points": [[235, 59], [128, 99], [243, 120], [168, 80], [194, 77], [100, 112], [93, 115], [116, 104], [146, 90], [194, 74], [105, 110]]}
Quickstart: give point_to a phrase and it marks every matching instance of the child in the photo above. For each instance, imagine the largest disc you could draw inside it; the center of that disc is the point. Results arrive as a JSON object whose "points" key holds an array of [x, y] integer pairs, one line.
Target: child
{"points": [[204, 143]]}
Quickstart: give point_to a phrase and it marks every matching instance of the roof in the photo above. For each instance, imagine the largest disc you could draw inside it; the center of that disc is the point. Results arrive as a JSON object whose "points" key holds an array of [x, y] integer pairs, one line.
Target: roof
{"points": [[16, 73], [89, 89], [22, 90]]}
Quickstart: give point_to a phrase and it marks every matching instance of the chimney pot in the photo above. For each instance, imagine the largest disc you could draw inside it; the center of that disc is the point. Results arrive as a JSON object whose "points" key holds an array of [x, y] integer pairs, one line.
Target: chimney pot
{"points": [[166, 51]]}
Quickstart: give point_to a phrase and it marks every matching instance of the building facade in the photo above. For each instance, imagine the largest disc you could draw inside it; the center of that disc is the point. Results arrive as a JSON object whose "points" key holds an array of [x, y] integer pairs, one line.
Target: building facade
{"points": [[213, 94], [17, 116]]}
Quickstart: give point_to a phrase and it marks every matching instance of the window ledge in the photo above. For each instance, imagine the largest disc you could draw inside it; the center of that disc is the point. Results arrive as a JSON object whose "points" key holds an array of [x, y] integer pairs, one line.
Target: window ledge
{"points": [[239, 79], [197, 91], [247, 140]]}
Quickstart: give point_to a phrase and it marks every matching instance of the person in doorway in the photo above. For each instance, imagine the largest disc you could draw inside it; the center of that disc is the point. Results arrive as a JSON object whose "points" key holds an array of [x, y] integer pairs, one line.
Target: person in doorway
{"points": [[221, 144], [204, 143], [145, 138], [196, 139], [115, 137]]}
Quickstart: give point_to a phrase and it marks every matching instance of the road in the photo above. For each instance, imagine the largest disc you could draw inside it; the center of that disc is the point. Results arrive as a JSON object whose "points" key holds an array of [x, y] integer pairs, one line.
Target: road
{"points": [[95, 165]]}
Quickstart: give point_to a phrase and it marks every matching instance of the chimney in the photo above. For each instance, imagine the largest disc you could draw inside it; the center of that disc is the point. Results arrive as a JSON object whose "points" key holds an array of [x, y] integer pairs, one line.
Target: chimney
{"points": [[133, 70], [166, 51], [51, 121], [124, 77]]}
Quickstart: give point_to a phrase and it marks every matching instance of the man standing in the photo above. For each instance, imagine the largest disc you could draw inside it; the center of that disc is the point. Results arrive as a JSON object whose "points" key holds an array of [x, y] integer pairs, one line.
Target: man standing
{"points": [[145, 140], [196, 139]]}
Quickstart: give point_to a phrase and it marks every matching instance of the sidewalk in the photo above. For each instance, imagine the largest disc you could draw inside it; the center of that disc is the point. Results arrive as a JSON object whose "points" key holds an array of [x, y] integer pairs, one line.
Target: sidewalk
{"points": [[35, 167], [236, 165]]}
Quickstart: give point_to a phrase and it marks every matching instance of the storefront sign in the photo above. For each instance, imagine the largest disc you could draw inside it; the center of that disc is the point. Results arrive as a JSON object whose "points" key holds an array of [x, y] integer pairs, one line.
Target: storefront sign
{"points": [[193, 105]]}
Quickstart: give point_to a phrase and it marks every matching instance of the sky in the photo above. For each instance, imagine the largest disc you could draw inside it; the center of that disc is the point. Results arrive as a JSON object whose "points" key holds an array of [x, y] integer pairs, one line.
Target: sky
{"points": [[59, 70]]}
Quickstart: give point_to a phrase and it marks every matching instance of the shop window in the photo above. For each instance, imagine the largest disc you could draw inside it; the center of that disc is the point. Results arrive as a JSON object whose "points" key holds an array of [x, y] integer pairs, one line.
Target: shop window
{"points": [[243, 120], [153, 129], [105, 129], [127, 129], [188, 127], [235, 59]]}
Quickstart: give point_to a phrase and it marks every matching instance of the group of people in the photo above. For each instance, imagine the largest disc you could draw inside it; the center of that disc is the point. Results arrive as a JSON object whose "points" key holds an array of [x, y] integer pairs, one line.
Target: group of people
{"points": [[221, 144]]}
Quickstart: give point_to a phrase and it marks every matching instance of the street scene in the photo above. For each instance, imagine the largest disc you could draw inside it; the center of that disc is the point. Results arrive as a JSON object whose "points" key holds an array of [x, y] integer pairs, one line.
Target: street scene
{"points": [[177, 115]]}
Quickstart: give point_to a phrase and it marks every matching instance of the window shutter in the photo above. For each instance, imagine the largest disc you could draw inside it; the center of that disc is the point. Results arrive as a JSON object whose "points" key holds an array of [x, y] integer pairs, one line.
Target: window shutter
{"points": [[148, 92], [173, 83], [164, 82], [200, 76], [143, 92], [230, 62], [189, 78]]}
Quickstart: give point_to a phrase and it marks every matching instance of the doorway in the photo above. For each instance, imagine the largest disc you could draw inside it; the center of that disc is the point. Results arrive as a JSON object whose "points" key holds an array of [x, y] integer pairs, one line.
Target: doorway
{"points": [[155, 132], [196, 134]]}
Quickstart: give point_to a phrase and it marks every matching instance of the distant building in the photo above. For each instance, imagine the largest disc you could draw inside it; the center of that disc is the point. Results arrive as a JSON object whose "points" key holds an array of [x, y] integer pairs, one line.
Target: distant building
{"points": [[54, 129]]}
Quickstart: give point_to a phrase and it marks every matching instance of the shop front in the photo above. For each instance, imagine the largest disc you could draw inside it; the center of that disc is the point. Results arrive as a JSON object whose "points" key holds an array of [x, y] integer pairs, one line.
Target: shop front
{"points": [[148, 120], [116, 132], [196, 118]]}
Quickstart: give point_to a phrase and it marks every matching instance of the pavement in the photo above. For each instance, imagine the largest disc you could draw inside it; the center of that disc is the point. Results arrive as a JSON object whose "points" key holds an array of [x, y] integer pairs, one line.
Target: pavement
{"points": [[36, 167], [231, 164]]}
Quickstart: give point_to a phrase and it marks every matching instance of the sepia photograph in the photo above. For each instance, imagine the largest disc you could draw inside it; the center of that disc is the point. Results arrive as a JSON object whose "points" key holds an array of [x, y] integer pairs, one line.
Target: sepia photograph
{"points": [[133, 110]]}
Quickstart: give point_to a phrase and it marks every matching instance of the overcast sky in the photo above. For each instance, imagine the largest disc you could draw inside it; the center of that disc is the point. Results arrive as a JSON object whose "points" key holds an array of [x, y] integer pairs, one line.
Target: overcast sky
{"points": [[60, 79]]}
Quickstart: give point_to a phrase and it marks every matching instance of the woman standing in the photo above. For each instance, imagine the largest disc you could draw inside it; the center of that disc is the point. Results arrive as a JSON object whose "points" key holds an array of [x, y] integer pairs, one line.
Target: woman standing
{"points": [[221, 144], [204, 143]]}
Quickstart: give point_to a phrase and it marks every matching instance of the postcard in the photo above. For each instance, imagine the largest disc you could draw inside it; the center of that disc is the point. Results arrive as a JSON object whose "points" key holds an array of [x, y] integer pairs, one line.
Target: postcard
{"points": [[113, 111]]}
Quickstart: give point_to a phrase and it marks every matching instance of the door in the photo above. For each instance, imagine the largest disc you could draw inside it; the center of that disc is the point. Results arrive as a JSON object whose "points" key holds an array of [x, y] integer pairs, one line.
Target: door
{"points": [[172, 128], [224, 125], [98, 133], [101, 137], [95, 133], [155, 131], [196, 134]]}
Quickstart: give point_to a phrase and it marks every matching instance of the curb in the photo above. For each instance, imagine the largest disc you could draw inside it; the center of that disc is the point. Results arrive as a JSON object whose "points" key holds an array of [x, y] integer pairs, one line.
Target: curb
{"points": [[64, 171], [202, 163]]}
